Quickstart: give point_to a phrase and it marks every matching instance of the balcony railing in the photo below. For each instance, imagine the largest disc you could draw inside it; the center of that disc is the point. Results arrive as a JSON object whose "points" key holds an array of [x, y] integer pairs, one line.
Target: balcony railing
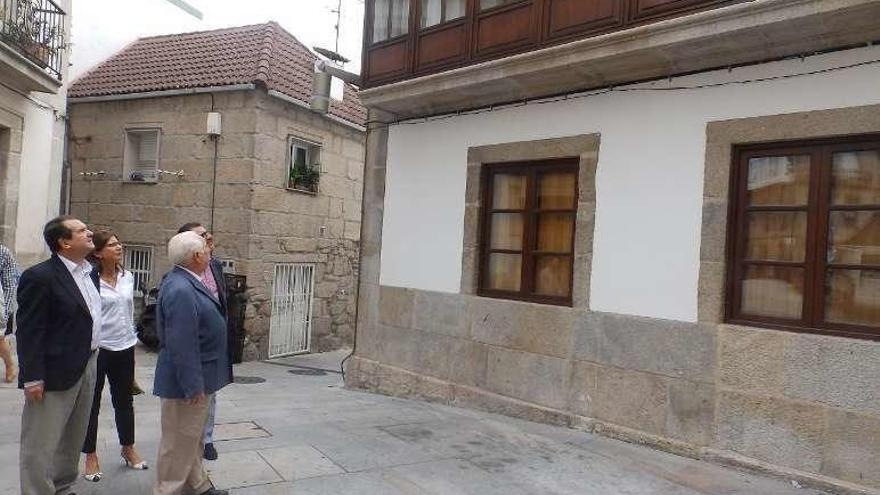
{"points": [[35, 28]]}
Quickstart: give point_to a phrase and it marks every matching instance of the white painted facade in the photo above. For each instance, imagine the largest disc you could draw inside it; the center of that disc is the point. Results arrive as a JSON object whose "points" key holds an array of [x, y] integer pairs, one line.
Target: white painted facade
{"points": [[42, 157], [649, 181], [34, 178]]}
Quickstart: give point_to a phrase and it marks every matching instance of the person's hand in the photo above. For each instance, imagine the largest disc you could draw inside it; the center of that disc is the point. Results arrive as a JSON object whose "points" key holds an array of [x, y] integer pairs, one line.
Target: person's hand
{"points": [[197, 399], [34, 393]]}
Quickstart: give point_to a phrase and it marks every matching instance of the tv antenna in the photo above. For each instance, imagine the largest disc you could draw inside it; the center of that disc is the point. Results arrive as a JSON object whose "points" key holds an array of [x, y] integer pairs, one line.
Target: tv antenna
{"points": [[338, 13], [186, 7]]}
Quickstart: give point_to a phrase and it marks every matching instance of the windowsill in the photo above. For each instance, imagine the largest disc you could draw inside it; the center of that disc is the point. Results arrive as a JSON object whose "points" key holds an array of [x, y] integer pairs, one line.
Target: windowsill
{"points": [[543, 300], [302, 191], [852, 334]]}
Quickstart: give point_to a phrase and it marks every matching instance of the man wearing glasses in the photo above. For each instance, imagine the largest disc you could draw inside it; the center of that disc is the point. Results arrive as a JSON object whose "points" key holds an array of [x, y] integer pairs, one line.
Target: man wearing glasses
{"points": [[213, 280]]}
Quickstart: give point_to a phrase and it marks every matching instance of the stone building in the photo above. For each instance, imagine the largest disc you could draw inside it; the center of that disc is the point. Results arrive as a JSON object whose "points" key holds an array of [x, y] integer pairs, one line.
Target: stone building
{"points": [[33, 71], [279, 186], [656, 220]]}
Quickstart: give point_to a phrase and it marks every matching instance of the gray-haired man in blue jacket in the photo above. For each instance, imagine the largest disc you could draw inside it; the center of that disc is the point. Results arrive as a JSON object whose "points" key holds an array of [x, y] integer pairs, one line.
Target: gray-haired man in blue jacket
{"points": [[191, 367]]}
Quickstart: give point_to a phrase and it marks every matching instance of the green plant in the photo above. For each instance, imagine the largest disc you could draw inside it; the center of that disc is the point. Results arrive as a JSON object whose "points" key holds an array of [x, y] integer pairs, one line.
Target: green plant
{"points": [[305, 177]]}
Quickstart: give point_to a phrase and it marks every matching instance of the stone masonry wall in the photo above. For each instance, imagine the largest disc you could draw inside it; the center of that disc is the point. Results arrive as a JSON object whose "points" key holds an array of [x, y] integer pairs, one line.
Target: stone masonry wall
{"points": [[257, 222], [296, 227], [796, 405]]}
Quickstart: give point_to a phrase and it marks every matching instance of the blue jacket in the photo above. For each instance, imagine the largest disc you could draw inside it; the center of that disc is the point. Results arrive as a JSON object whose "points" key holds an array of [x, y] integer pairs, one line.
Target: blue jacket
{"points": [[192, 333]]}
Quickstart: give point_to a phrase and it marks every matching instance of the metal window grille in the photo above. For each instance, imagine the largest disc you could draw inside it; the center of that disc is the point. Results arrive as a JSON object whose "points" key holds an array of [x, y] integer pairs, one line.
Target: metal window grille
{"points": [[291, 320], [139, 261]]}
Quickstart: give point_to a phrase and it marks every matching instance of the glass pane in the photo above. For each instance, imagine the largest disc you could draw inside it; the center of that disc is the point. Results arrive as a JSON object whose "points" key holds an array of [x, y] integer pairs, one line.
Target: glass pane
{"points": [[507, 231], [779, 180], [504, 272], [299, 157], [854, 237], [773, 291], [399, 17], [508, 192], [436, 11], [555, 232], [380, 19], [855, 178], [557, 191], [553, 276], [454, 9], [776, 235], [488, 4], [853, 297], [432, 12]]}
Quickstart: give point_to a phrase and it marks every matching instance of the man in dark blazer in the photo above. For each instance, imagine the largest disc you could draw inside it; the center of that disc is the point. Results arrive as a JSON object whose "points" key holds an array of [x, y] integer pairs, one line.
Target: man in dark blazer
{"points": [[191, 366], [217, 285], [59, 314]]}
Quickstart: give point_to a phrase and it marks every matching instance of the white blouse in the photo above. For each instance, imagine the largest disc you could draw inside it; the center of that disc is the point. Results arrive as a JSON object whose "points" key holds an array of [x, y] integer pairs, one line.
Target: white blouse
{"points": [[117, 314]]}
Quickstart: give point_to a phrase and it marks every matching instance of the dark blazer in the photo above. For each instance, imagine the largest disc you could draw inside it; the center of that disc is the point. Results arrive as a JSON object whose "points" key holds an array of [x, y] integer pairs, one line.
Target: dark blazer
{"points": [[192, 333], [220, 280], [217, 271], [54, 335]]}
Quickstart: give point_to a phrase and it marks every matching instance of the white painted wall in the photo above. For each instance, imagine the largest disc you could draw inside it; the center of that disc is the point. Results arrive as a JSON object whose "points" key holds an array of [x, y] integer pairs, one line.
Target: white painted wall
{"points": [[39, 181], [649, 179], [42, 157]]}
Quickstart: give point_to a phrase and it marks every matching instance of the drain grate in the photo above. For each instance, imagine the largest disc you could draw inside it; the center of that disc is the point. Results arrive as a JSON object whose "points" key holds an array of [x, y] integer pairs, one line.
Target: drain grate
{"points": [[248, 380]]}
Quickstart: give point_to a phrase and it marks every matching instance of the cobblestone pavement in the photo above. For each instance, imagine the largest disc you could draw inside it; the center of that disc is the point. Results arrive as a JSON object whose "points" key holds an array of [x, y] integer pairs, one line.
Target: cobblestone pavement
{"points": [[298, 431]]}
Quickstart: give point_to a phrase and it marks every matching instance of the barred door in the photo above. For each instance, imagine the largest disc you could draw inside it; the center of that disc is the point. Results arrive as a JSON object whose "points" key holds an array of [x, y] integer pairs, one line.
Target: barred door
{"points": [[291, 322]]}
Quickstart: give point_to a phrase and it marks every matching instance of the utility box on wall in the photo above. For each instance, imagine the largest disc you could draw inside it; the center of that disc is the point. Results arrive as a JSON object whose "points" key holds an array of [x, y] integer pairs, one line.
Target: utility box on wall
{"points": [[214, 128]]}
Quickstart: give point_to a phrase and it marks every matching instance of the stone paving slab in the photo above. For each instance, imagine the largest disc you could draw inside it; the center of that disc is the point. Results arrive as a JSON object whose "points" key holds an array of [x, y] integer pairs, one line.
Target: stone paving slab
{"points": [[303, 433], [238, 431]]}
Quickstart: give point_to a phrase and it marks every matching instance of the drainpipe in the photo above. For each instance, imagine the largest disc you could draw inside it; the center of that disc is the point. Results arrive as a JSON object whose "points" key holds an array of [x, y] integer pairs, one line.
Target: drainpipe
{"points": [[66, 171]]}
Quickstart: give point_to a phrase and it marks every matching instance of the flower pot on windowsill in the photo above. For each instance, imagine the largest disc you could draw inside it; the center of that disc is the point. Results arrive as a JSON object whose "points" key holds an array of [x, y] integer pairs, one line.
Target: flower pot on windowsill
{"points": [[304, 179], [38, 53]]}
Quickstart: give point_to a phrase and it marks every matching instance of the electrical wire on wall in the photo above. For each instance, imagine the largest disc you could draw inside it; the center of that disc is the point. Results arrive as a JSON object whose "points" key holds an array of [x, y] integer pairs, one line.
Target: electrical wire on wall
{"points": [[216, 139], [635, 87]]}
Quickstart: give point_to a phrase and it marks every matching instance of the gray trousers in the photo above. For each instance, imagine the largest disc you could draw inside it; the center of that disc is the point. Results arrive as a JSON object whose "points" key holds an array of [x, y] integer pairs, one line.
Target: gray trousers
{"points": [[208, 436], [52, 433]]}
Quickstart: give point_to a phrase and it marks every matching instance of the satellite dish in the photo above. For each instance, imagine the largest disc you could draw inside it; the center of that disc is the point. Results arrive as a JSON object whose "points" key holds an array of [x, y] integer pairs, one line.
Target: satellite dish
{"points": [[189, 9], [330, 54]]}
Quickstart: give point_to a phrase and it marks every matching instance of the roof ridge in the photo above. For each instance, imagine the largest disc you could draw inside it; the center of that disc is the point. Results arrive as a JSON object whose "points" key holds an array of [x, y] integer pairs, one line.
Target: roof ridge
{"points": [[203, 31], [263, 69], [88, 72]]}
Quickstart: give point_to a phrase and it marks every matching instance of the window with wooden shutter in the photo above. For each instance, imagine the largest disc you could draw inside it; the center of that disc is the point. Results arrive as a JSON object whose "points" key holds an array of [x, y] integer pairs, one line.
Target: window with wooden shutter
{"points": [[805, 237], [141, 155]]}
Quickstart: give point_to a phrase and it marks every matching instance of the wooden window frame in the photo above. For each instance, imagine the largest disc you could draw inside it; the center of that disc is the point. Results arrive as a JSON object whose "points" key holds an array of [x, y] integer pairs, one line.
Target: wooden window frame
{"points": [[391, 39], [444, 22], [818, 209], [531, 169]]}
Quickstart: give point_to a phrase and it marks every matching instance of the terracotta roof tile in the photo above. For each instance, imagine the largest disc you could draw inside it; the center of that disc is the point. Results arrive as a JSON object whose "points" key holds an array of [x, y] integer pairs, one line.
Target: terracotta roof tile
{"points": [[263, 54]]}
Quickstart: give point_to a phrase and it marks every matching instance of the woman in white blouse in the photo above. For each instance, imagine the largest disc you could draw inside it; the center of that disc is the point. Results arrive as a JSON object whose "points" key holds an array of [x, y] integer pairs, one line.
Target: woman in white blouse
{"points": [[116, 341]]}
